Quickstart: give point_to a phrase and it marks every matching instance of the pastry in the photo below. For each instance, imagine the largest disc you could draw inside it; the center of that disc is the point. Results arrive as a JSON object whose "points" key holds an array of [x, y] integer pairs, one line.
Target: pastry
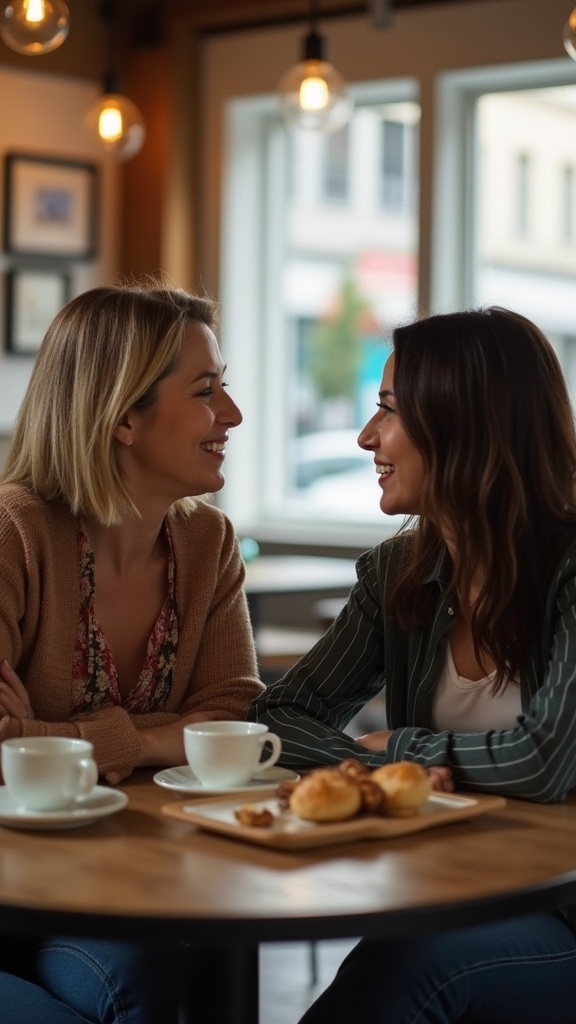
{"points": [[326, 795], [372, 798], [284, 792], [254, 817], [405, 785], [353, 769]]}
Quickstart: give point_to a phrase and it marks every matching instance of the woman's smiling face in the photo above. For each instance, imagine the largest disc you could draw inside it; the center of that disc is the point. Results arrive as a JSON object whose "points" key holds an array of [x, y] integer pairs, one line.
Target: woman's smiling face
{"points": [[176, 446], [398, 462]]}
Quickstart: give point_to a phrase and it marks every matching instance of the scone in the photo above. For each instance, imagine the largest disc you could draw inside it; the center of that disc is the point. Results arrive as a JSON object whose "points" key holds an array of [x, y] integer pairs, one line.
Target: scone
{"points": [[372, 797], [325, 795], [353, 769], [405, 785]]}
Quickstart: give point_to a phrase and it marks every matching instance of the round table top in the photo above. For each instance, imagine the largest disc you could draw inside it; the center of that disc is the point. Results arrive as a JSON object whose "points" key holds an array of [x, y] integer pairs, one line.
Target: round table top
{"points": [[139, 871]]}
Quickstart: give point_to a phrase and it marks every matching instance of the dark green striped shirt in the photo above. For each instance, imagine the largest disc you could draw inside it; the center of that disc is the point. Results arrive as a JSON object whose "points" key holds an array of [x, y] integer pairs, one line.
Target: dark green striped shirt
{"points": [[365, 651]]}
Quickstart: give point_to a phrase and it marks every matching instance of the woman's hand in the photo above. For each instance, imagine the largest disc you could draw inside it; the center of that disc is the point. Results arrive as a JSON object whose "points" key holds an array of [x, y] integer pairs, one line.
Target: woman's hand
{"points": [[14, 699], [195, 716], [375, 741], [441, 778], [164, 744]]}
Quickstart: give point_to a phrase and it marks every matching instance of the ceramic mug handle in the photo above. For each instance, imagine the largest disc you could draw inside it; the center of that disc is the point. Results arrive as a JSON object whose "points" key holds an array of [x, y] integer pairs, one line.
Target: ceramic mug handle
{"points": [[276, 744], [83, 778]]}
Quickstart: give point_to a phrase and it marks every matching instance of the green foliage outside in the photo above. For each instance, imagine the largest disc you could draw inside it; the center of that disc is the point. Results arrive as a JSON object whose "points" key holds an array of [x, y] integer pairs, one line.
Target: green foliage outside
{"points": [[335, 344]]}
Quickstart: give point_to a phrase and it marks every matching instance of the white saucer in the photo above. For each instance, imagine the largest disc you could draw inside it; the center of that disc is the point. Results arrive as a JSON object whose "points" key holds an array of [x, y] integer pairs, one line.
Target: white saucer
{"points": [[183, 780], [98, 804]]}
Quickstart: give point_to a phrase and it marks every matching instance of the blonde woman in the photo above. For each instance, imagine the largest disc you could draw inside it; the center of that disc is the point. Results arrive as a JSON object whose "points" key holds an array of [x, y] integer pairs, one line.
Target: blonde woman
{"points": [[119, 586]]}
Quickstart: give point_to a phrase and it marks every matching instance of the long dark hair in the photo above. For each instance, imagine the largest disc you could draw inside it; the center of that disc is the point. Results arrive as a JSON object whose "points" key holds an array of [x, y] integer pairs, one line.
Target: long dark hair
{"points": [[482, 396]]}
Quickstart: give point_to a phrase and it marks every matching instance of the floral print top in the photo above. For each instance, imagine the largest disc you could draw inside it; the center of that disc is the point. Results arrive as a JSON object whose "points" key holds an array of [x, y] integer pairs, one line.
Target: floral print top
{"points": [[94, 675]]}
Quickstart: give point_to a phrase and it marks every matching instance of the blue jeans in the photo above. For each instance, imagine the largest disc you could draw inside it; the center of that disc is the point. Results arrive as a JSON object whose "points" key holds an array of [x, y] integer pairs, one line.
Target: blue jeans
{"points": [[520, 971], [74, 981]]}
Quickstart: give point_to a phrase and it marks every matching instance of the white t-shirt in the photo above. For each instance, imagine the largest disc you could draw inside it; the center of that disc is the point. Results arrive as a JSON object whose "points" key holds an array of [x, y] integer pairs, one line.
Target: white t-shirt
{"points": [[468, 705]]}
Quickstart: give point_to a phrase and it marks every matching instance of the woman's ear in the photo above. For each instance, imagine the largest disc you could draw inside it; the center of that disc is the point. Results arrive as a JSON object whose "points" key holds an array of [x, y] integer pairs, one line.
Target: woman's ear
{"points": [[123, 431]]}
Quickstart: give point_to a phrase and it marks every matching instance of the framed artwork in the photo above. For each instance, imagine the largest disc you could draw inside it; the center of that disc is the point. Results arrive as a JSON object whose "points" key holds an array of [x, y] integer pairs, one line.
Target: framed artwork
{"points": [[49, 207], [34, 296]]}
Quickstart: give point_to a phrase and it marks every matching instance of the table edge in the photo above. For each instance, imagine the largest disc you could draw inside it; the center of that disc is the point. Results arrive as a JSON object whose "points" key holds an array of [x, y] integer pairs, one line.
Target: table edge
{"points": [[551, 894]]}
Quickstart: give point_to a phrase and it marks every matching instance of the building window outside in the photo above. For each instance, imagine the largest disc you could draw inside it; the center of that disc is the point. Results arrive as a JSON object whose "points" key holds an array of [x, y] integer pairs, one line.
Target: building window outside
{"points": [[336, 166], [568, 208], [521, 266], [565, 345], [398, 166], [523, 182], [393, 165]]}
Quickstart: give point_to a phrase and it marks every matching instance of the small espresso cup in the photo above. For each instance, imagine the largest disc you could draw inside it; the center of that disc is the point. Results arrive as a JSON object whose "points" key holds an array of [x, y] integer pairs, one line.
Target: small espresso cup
{"points": [[48, 773], [227, 754]]}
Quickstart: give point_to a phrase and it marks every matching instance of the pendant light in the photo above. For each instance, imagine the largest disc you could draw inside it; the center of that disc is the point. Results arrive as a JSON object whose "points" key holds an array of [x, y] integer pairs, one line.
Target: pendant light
{"points": [[34, 27], [313, 93], [570, 35], [113, 118]]}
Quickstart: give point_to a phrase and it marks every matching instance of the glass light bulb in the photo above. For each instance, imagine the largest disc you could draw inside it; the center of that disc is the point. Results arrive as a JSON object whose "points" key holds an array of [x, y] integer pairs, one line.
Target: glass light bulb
{"points": [[118, 125], [313, 96], [34, 27], [35, 11], [570, 35], [110, 125]]}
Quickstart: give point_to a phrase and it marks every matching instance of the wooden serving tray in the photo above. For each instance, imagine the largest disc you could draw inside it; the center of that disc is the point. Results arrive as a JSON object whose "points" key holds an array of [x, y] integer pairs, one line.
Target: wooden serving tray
{"points": [[288, 832]]}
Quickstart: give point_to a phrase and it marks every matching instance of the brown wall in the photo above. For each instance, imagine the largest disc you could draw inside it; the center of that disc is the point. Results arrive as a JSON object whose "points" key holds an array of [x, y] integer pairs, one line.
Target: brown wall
{"points": [[148, 84]]}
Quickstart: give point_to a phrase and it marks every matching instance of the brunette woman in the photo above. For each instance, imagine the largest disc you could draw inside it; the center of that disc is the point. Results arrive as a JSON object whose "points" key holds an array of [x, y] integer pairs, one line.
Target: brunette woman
{"points": [[467, 619]]}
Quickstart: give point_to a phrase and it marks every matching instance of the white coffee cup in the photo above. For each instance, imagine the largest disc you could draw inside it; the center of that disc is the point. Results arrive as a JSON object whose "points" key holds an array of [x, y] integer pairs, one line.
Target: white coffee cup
{"points": [[227, 754], [48, 773]]}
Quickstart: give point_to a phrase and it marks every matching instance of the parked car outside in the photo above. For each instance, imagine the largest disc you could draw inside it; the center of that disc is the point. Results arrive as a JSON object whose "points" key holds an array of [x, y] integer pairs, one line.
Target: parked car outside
{"points": [[332, 475]]}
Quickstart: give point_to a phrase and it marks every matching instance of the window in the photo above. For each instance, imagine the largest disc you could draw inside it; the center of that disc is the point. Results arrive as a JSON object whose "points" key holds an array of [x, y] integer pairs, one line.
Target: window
{"points": [[523, 176], [514, 129], [565, 345], [526, 269], [312, 288], [335, 271], [398, 192], [568, 208], [336, 166]]}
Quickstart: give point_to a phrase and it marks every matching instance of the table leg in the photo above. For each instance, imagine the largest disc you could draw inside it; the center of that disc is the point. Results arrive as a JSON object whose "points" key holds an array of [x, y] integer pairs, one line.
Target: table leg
{"points": [[220, 986]]}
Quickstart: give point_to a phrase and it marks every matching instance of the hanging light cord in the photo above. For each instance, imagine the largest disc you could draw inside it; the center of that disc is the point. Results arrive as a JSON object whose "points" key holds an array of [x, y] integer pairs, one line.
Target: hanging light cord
{"points": [[313, 43], [109, 13], [314, 14]]}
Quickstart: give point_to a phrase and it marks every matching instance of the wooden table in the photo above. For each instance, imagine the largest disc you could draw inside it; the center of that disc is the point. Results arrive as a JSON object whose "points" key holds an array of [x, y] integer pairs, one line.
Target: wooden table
{"points": [[141, 875]]}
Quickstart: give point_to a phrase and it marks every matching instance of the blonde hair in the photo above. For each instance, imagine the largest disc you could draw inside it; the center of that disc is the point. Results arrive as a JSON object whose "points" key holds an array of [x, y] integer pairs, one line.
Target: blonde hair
{"points": [[103, 353]]}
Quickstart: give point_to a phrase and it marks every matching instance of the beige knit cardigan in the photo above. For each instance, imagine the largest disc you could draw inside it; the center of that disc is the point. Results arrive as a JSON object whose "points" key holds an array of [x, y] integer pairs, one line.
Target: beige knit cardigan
{"points": [[215, 668]]}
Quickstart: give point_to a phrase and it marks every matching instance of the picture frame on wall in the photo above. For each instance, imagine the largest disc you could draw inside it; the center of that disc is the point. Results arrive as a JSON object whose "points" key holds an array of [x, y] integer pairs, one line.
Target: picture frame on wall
{"points": [[50, 207], [33, 297]]}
